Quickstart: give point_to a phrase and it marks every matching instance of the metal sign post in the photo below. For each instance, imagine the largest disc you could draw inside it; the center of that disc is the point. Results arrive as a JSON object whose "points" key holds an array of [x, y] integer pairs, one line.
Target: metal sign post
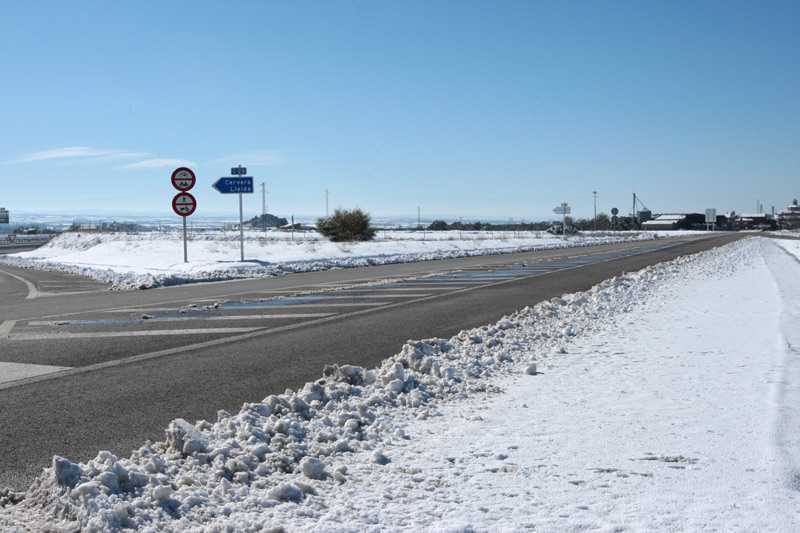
{"points": [[184, 203], [563, 209], [241, 230], [711, 218], [239, 184]]}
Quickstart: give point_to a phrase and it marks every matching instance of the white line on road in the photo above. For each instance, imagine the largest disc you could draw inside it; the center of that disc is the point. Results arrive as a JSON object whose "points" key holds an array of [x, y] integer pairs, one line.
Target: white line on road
{"points": [[51, 323], [15, 371], [422, 286], [251, 305], [331, 304], [244, 317], [32, 291], [345, 295], [463, 280], [139, 333]]}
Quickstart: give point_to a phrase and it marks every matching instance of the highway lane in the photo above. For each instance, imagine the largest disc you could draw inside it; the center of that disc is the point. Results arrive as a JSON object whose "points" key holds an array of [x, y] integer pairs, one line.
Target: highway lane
{"points": [[203, 292], [118, 366]]}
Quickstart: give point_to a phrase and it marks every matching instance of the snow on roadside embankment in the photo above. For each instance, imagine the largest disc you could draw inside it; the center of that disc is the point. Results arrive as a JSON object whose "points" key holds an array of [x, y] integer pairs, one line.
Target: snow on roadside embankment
{"points": [[148, 260], [645, 403]]}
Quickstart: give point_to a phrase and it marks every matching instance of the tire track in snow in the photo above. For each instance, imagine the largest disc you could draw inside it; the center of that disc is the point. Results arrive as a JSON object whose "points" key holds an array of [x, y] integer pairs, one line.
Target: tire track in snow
{"points": [[786, 269]]}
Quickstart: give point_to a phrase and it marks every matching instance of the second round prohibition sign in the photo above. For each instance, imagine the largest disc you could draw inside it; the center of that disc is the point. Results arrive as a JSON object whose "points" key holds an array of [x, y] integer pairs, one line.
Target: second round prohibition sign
{"points": [[184, 204]]}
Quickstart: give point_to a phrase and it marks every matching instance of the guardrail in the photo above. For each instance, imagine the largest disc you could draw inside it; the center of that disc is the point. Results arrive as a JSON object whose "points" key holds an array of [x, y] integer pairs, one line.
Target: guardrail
{"points": [[12, 243], [38, 238]]}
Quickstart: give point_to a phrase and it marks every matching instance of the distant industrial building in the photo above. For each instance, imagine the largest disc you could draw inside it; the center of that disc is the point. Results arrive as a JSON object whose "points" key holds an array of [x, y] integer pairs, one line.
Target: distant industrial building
{"points": [[675, 221], [762, 221], [789, 218]]}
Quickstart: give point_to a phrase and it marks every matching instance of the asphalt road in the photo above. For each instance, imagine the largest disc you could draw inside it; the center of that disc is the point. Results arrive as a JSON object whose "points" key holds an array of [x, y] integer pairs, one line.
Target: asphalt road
{"points": [[84, 369]]}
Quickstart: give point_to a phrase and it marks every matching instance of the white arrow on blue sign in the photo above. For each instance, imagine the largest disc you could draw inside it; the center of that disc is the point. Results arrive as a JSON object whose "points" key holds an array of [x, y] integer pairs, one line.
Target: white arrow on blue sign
{"points": [[240, 185]]}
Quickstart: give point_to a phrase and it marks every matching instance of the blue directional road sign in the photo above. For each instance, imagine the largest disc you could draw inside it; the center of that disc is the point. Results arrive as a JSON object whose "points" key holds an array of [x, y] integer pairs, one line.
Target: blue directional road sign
{"points": [[239, 171], [234, 185]]}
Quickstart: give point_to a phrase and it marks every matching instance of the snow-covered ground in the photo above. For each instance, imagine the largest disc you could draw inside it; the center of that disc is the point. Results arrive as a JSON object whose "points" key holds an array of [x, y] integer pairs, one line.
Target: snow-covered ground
{"points": [[153, 259], [663, 400]]}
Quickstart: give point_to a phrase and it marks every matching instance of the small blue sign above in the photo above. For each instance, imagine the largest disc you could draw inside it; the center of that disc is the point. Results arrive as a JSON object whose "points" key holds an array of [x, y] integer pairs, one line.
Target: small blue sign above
{"points": [[239, 171], [240, 185]]}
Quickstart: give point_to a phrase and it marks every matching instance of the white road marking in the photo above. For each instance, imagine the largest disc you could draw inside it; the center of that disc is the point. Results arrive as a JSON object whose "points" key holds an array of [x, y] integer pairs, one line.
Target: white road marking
{"points": [[332, 304], [51, 323], [253, 304], [7, 326], [345, 296], [145, 310], [105, 334], [15, 371], [32, 291], [464, 280], [277, 291], [422, 286], [255, 317]]}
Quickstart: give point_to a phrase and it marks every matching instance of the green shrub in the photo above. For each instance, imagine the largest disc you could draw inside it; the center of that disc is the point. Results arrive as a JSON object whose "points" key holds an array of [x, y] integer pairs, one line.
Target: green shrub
{"points": [[438, 225], [347, 226]]}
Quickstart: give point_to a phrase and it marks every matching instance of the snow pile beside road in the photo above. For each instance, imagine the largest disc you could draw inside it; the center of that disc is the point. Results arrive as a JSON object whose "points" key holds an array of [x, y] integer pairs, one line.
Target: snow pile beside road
{"points": [[151, 259], [293, 460]]}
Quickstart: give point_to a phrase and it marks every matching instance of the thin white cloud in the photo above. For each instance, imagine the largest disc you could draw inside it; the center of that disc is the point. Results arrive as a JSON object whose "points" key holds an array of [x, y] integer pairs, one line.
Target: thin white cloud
{"points": [[159, 163], [121, 155], [255, 158], [74, 152]]}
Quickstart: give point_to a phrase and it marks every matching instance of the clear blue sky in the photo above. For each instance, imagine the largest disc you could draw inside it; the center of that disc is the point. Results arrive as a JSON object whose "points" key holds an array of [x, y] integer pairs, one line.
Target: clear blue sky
{"points": [[459, 108]]}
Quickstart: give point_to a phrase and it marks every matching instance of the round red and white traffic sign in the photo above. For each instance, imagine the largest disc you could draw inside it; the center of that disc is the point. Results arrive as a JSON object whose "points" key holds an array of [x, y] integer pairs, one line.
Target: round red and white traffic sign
{"points": [[184, 204], [183, 179]]}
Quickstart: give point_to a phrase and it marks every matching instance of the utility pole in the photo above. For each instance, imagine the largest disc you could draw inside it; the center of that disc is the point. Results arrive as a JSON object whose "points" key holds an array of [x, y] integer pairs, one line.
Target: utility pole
{"points": [[419, 220], [326, 203], [264, 207], [594, 223]]}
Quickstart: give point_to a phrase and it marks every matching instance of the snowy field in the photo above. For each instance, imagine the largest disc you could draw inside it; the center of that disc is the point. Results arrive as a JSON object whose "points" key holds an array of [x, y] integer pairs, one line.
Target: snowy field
{"points": [[154, 259], [663, 400]]}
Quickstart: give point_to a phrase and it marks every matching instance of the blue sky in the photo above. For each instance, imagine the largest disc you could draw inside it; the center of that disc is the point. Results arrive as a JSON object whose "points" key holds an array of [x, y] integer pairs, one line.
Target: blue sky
{"points": [[470, 108]]}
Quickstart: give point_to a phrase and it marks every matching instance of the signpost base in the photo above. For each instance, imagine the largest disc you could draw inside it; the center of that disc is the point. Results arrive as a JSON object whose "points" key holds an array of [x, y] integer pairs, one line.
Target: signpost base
{"points": [[241, 228], [185, 256]]}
